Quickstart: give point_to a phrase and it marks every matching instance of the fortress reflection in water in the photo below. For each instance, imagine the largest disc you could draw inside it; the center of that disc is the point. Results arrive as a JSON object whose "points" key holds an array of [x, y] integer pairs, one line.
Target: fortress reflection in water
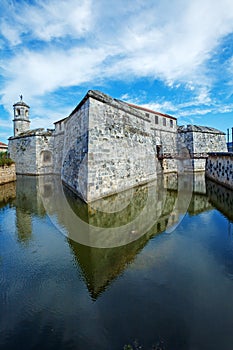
{"points": [[107, 235]]}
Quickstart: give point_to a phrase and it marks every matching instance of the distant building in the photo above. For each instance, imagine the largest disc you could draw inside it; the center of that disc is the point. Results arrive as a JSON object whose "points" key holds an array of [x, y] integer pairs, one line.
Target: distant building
{"points": [[3, 147], [230, 146]]}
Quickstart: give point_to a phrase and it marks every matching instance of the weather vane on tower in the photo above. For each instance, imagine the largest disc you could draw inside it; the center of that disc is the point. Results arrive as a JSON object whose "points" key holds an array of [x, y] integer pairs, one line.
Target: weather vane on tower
{"points": [[21, 97]]}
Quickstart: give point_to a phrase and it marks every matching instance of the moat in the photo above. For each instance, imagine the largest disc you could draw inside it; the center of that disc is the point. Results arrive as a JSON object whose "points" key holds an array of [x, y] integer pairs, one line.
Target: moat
{"points": [[152, 265]]}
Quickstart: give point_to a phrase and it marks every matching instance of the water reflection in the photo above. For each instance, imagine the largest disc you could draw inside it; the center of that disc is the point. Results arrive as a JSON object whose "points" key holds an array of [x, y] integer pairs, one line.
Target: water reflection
{"points": [[221, 198], [114, 221], [100, 266], [173, 286], [28, 197], [7, 193], [28, 203], [101, 262]]}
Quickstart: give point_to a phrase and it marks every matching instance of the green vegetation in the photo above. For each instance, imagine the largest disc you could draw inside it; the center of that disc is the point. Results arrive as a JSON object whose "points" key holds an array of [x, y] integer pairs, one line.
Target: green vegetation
{"points": [[4, 159]]}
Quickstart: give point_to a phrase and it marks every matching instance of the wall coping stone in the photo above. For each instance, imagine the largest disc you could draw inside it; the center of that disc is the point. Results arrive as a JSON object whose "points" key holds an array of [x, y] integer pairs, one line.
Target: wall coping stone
{"points": [[137, 111], [222, 154], [199, 128], [35, 132]]}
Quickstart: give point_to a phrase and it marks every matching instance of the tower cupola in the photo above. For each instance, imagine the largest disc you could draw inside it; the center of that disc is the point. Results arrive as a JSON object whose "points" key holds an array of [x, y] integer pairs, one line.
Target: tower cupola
{"points": [[21, 117]]}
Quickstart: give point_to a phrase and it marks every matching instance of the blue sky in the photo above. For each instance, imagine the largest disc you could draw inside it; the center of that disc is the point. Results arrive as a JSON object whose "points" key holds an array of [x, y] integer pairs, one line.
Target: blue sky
{"points": [[172, 56]]}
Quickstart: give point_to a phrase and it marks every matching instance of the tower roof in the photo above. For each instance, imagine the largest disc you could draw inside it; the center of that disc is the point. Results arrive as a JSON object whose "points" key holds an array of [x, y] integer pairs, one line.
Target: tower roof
{"points": [[21, 103]]}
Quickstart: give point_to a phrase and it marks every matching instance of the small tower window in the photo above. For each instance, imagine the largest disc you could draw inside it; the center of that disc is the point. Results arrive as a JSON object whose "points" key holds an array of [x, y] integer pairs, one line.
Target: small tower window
{"points": [[18, 111]]}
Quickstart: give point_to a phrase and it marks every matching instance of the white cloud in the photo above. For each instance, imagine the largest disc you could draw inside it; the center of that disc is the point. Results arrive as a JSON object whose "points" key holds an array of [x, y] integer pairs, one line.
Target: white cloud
{"points": [[171, 41], [38, 73], [10, 33], [164, 107], [46, 20]]}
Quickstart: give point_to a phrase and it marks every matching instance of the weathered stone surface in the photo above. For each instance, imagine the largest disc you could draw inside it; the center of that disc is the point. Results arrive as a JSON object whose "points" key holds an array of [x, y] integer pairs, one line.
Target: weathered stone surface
{"points": [[110, 146], [200, 140], [33, 152], [74, 170], [7, 173]]}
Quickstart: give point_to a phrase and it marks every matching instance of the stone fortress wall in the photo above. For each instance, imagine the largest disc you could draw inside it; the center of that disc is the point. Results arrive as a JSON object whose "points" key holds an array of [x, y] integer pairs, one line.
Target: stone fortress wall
{"points": [[33, 152], [111, 146], [200, 141], [106, 146]]}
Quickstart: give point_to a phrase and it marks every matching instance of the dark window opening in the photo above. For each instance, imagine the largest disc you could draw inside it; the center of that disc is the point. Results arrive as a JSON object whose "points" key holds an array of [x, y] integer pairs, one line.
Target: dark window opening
{"points": [[171, 123], [159, 151], [164, 121], [147, 115], [156, 119], [46, 157]]}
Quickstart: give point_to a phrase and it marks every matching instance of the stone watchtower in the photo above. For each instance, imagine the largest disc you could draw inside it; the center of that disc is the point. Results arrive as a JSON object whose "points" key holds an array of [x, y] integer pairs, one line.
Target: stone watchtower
{"points": [[21, 117]]}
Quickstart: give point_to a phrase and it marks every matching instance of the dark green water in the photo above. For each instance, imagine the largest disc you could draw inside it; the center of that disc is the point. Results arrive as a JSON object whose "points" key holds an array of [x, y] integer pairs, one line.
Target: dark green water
{"points": [[125, 269]]}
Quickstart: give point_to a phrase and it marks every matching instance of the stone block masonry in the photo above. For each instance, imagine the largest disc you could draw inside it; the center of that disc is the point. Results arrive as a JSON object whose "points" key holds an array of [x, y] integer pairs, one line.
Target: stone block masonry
{"points": [[7, 173], [74, 171], [110, 146], [219, 167], [106, 146], [121, 152], [33, 152]]}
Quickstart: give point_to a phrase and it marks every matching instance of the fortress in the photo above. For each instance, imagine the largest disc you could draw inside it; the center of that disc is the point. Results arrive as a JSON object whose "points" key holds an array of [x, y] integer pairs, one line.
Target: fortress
{"points": [[106, 146]]}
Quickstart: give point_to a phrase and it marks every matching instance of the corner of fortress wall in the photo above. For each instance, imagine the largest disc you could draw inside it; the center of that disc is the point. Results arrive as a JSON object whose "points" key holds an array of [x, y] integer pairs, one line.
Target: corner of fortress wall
{"points": [[110, 147], [121, 151], [74, 171]]}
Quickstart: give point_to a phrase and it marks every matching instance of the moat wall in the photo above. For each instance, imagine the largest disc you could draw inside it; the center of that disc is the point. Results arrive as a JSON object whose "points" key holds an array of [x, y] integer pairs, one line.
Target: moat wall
{"points": [[219, 167], [7, 173]]}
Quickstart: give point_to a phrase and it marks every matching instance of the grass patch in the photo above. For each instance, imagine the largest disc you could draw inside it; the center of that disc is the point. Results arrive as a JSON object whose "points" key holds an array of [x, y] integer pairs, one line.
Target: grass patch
{"points": [[4, 159]]}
